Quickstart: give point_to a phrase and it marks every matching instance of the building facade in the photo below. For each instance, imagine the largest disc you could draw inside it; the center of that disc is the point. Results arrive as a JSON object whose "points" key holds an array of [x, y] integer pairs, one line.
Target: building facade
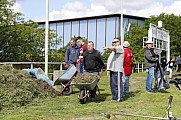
{"points": [[99, 29]]}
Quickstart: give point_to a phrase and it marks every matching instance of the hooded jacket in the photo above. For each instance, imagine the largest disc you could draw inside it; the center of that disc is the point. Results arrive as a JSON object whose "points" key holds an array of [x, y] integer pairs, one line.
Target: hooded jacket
{"points": [[72, 54]]}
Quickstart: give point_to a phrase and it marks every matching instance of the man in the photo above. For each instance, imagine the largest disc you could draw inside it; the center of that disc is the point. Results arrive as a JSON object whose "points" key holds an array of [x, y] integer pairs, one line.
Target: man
{"points": [[178, 62], [92, 63], [83, 48], [150, 62], [127, 67], [115, 66], [72, 54]]}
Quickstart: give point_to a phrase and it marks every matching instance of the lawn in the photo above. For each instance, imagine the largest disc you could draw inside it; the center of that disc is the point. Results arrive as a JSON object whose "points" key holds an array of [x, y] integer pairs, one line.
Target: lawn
{"points": [[68, 107]]}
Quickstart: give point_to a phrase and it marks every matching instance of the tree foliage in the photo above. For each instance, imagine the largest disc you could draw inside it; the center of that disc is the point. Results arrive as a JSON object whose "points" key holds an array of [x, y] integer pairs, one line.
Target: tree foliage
{"points": [[171, 23], [20, 40], [135, 38], [23, 41]]}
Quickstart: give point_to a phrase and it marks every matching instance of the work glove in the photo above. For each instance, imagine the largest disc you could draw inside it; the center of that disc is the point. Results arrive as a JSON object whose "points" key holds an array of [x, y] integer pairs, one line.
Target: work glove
{"points": [[66, 66]]}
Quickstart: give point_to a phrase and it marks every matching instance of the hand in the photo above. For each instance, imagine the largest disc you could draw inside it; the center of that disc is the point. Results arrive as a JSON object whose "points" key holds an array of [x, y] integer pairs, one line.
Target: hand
{"points": [[80, 57], [105, 48], [78, 60], [66, 66]]}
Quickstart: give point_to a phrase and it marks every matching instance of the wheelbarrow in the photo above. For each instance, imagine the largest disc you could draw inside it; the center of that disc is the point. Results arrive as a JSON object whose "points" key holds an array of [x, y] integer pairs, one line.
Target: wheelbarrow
{"points": [[65, 80], [85, 89]]}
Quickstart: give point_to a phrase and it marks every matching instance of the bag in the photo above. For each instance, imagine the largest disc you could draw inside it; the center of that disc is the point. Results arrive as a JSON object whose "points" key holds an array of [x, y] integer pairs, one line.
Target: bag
{"points": [[161, 82]]}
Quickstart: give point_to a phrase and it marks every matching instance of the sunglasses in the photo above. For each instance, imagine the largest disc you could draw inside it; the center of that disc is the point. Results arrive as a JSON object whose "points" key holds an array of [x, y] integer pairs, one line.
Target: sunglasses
{"points": [[115, 41]]}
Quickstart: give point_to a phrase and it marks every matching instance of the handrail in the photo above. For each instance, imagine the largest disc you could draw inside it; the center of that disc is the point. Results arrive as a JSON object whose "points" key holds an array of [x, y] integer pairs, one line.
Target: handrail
{"points": [[139, 66]]}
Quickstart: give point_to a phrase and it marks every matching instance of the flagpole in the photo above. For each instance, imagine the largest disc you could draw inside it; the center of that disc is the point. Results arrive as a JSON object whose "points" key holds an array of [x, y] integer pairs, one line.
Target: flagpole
{"points": [[46, 37], [122, 31]]}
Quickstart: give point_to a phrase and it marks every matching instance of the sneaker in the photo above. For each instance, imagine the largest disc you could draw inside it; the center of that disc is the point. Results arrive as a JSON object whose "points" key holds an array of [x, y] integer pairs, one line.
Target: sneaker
{"points": [[119, 100], [150, 92]]}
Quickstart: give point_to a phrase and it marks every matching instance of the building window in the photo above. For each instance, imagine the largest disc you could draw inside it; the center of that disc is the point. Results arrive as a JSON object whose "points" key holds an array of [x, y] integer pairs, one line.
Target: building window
{"points": [[75, 29], [83, 29], [67, 33], [110, 31], [60, 34], [92, 31], [100, 34]]}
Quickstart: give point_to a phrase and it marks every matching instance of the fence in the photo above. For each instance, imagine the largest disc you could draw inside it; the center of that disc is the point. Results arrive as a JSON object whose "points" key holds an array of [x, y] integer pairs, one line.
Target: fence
{"points": [[138, 67]]}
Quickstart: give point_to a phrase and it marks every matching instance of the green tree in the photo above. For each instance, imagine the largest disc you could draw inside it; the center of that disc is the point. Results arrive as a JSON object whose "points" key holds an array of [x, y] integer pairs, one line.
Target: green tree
{"points": [[135, 38], [171, 23], [20, 40]]}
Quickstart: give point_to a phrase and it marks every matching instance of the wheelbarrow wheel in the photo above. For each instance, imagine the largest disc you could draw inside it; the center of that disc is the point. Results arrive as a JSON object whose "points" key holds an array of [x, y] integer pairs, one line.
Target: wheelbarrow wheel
{"points": [[68, 90], [83, 97]]}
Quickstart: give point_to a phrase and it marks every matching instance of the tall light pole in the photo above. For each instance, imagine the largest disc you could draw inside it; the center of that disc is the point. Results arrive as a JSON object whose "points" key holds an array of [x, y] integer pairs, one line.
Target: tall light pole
{"points": [[122, 30], [46, 37]]}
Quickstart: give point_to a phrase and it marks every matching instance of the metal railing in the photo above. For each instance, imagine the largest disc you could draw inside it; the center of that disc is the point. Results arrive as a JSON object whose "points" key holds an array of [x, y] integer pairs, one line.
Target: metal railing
{"points": [[138, 67]]}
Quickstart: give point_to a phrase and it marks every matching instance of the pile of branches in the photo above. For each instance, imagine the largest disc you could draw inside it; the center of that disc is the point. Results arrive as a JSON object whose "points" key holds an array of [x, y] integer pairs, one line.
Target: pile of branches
{"points": [[84, 78], [18, 88]]}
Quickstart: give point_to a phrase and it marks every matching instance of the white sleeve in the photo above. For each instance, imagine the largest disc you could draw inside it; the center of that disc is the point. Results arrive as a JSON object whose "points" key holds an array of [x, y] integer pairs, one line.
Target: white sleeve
{"points": [[119, 49]]}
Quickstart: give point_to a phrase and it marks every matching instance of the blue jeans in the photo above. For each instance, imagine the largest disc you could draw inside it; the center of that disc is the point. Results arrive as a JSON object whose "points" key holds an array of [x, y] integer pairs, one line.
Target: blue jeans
{"points": [[93, 92], [125, 85], [81, 67], [149, 79], [116, 87]]}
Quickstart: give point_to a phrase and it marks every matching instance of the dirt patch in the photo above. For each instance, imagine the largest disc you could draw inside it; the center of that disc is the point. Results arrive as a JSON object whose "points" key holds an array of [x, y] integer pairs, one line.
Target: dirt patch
{"points": [[84, 78]]}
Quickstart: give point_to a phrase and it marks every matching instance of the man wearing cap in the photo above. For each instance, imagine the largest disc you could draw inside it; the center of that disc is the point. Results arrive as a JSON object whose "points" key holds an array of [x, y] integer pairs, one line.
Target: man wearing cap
{"points": [[115, 66], [150, 62], [127, 67]]}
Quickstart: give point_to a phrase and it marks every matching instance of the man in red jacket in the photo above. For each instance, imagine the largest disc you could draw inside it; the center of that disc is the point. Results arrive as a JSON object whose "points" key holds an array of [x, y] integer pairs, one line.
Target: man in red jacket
{"points": [[127, 67]]}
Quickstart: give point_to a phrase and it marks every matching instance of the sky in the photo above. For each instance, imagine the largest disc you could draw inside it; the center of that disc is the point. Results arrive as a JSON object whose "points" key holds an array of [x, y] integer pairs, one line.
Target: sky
{"points": [[67, 9]]}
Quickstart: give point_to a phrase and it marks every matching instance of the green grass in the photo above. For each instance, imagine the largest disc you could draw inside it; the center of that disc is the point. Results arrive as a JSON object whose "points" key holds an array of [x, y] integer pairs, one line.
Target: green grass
{"points": [[68, 107]]}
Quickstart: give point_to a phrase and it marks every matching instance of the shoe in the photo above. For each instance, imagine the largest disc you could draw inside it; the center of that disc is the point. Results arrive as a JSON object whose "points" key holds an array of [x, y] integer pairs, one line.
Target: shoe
{"points": [[93, 99], [119, 100], [150, 92]]}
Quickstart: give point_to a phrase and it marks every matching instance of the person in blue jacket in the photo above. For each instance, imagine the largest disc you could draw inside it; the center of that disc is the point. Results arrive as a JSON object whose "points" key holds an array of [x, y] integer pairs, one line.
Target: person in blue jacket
{"points": [[72, 53]]}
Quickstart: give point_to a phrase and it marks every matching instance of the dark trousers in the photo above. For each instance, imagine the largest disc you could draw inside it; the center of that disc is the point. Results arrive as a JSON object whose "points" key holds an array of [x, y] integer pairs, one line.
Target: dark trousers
{"points": [[116, 86], [93, 92], [179, 68]]}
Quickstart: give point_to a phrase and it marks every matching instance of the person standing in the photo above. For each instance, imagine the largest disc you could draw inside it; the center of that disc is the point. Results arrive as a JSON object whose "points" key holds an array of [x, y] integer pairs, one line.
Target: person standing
{"points": [[92, 63], [83, 48], [128, 64], [72, 54], [178, 62], [171, 64], [150, 62], [115, 66]]}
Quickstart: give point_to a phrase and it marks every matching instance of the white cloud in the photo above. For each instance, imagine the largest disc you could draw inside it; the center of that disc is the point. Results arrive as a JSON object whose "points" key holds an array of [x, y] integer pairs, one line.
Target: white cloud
{"points": [[144, 8], [174, 8], [17, 7], [115, 5], [158, 8]]}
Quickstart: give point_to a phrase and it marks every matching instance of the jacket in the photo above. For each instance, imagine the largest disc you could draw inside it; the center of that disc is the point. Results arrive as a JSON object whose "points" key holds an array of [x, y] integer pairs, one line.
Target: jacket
{"points": [[72, 54], [150, 57], [93, 61], [128, 62]]}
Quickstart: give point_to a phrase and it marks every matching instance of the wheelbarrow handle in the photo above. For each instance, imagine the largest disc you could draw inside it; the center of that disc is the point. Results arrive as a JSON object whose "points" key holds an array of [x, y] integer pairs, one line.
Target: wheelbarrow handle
{"points": [[100, 74]]}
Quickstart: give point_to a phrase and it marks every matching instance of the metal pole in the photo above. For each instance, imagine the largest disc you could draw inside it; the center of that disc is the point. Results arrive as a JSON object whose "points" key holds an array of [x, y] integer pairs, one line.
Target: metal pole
{"points": [[168, 50], [122, 31], [46, 37]]}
